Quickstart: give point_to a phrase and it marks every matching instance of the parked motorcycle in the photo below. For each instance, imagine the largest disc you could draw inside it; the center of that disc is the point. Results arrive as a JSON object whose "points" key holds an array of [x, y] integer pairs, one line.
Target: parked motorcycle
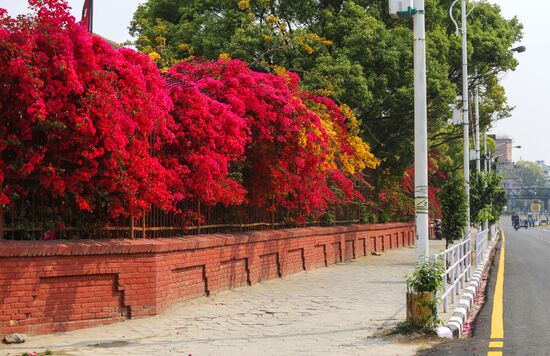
{"points": [[438, 229]]}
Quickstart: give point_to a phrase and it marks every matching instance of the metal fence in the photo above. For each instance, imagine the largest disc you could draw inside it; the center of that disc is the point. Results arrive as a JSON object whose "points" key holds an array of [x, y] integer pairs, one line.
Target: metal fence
{"points": [[458, 271], [482, 242], [34, 218], [458, 265]]}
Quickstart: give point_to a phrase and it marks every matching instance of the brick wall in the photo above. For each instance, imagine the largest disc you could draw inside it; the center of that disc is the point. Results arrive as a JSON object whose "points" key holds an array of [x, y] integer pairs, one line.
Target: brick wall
{"points": [[50, 286]]}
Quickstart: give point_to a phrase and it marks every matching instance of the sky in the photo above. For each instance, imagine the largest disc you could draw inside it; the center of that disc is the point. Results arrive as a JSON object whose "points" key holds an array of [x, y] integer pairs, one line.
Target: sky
{"points": [[527, 88], [111, 17]]}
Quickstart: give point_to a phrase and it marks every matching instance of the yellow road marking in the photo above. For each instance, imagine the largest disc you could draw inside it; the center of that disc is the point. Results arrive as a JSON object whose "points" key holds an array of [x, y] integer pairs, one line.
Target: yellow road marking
{"points": [[497, 319]]}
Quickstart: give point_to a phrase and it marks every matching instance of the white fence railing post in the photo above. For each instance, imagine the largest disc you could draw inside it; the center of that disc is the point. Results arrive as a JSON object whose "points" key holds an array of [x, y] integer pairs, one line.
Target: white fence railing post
{"points": [[482, 238]]}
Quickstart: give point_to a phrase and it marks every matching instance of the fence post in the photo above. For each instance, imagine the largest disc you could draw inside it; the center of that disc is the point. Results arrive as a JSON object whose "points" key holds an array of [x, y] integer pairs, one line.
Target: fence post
{"points": [[272, 213], [469, 262], [198, 216], [453, 274], [132, 227], [445, 284], [463, 266], [474, 249], [1, 224], [435, 257], [143, 223]]}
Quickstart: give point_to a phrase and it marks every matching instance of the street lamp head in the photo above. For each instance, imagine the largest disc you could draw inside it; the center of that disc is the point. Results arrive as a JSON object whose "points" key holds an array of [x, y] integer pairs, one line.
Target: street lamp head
{"points": [[518, 49], [517, 146]]}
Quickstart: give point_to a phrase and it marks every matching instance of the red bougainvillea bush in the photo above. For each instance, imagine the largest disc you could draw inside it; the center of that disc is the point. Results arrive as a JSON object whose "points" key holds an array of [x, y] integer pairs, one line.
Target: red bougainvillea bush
{"points": [[76, 116], [91, 128], [289, 150]]}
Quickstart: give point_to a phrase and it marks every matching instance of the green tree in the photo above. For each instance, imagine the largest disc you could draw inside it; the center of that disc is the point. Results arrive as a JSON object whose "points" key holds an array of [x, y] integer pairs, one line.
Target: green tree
{"points": [[453, 210], [352, 51], [487, 197], [530, 174]]}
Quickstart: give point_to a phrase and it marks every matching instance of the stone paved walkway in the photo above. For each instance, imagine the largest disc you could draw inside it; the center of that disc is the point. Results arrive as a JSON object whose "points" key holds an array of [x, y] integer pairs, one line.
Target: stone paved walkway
{"points": [[327, 311]]}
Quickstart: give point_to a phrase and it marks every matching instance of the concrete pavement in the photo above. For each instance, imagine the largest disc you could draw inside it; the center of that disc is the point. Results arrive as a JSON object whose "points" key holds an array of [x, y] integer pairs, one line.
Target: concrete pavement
{"points": [[328, 311]]}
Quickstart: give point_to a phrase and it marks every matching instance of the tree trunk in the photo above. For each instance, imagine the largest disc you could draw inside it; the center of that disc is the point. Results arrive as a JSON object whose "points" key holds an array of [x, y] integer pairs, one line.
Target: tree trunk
{"points": [[418, 307]]}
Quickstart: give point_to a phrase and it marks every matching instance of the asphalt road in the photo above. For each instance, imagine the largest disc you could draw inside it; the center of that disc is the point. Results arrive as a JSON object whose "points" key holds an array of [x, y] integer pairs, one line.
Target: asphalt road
{"points": [[525, 300]]}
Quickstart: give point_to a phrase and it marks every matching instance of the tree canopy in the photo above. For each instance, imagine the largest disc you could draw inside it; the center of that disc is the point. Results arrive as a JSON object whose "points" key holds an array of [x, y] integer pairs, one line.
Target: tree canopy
{"points": [[348, 50], [530, 174], [487, 197]]}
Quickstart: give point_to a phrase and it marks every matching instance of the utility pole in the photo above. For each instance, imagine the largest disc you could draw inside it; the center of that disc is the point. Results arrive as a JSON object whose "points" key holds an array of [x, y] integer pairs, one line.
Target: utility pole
{"points": [[477, 141], [465, 115], [404, 9], [485, 159], [420, 133]]}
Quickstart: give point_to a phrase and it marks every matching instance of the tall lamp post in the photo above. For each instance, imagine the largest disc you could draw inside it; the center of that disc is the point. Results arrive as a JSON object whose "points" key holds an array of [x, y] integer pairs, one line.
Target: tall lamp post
{"points": [[477, 143], [465, 116], [400, 9]]}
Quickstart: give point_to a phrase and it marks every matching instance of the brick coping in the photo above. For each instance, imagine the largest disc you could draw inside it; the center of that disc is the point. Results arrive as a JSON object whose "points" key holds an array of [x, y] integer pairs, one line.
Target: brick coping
{"points": [[126, 246]]}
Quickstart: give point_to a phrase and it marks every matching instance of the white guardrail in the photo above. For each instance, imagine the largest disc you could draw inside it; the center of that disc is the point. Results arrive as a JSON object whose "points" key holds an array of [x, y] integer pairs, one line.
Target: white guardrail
{"points": [[458, 262]]}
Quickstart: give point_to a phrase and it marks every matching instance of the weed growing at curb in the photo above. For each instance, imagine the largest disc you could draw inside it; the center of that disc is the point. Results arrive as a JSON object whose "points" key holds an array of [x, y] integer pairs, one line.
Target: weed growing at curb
{"points": [[405, 328], [34, 353]]}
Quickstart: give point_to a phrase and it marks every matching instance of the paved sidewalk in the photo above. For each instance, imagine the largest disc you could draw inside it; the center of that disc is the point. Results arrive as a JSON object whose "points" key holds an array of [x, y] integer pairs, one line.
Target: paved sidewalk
{"points": [[327, 311]]}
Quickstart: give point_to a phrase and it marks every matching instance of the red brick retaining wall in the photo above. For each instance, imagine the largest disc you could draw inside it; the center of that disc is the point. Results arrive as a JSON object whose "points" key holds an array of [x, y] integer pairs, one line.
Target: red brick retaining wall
{"points": [[50, 286]]}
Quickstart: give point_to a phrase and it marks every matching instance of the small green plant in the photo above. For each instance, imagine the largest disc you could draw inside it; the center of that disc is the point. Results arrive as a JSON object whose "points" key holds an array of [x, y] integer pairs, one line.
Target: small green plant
{"points": [[405, 328], [423, 284], [48, 352], [426, 277]]}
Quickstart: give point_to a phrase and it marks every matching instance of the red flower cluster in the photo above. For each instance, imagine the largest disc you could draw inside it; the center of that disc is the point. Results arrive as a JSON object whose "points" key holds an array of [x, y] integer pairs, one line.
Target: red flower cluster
{"points": [[99, 127], [77, 114], [242, 135]]}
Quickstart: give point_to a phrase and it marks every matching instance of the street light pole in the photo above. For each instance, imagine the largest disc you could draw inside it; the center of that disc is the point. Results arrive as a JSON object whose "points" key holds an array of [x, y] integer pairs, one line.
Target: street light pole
{"points": [[404, 9], [477, 140], [420, 133], [485, 160], [465, 116]]}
